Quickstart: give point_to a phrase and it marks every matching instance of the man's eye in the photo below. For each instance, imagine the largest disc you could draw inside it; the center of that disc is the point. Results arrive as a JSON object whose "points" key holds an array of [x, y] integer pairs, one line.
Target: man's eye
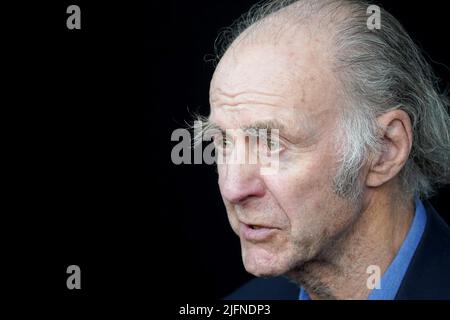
{"points": [[226, 143], [222, 142], [272, 144]]}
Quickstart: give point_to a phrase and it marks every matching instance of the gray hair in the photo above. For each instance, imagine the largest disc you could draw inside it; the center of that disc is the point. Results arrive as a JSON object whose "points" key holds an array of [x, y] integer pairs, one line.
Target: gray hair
{"points": [[381, 70]]}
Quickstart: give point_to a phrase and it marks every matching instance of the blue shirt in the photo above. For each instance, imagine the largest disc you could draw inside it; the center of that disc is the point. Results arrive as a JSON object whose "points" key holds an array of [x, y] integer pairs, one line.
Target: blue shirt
{"points": [[393, 276]]}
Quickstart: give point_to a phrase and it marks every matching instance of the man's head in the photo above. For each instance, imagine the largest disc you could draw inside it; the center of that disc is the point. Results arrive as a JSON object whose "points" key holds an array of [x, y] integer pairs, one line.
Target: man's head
{"points": [[358, 120]]}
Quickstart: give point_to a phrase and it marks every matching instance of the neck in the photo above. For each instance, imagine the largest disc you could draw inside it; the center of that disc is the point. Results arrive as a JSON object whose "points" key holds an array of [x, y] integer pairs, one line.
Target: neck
{"points": [[340, 272]]}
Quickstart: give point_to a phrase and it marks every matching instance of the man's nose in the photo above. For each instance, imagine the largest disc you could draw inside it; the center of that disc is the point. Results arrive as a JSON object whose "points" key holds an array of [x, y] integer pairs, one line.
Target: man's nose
{"points": [[239, 182]]}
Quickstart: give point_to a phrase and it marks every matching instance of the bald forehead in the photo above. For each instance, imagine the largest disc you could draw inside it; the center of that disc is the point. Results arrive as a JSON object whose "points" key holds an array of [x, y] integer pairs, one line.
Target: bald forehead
{"points": [[287, 40], [256, 65], [278, 70]]}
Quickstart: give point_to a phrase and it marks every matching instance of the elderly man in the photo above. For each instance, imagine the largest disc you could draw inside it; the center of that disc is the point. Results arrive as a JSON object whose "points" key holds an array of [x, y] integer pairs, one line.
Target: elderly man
{"points": [[363, 141]]}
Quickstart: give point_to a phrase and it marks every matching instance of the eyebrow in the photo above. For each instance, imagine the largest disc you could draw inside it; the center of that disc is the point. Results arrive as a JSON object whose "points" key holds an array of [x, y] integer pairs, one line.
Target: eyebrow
{"points": [[208, 128], [267, 124]]}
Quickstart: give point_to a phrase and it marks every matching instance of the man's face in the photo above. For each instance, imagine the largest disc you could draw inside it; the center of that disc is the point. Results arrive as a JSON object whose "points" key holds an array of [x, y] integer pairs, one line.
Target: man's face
{"points": [[286, 218]]}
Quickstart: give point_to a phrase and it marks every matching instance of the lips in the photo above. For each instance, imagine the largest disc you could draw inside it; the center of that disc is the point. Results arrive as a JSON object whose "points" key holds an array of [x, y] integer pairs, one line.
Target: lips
{"points": [[255, 232]]}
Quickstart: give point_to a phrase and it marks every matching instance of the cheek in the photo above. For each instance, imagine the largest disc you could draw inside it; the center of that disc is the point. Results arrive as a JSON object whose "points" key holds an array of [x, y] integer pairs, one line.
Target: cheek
{"points": [[304, 191], [307, 180]]}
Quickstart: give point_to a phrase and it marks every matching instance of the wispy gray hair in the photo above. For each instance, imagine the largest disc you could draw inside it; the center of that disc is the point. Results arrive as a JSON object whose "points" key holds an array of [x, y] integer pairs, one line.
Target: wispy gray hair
{"points": [[380, 70]]}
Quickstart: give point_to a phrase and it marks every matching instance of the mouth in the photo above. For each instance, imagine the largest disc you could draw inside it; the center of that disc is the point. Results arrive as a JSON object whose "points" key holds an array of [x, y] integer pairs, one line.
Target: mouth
{"points": [[255, 233]]}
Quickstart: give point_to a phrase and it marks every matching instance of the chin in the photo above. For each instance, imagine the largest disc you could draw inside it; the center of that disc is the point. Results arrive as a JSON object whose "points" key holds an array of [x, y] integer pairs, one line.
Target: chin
{"points": [[261, 263]]}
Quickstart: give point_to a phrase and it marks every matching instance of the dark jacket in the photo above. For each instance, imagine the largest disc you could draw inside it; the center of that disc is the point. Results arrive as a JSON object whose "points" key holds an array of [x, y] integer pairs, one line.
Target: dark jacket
{"points": [[427, 277]]}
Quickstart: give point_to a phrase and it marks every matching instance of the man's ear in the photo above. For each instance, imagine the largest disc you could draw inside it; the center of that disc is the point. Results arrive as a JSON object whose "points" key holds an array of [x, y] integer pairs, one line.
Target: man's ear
{"points": [[396, 135]]}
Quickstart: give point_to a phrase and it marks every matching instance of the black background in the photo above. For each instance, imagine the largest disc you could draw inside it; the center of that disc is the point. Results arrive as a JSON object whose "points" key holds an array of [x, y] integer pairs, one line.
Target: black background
{"points": [[79, 192]]}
